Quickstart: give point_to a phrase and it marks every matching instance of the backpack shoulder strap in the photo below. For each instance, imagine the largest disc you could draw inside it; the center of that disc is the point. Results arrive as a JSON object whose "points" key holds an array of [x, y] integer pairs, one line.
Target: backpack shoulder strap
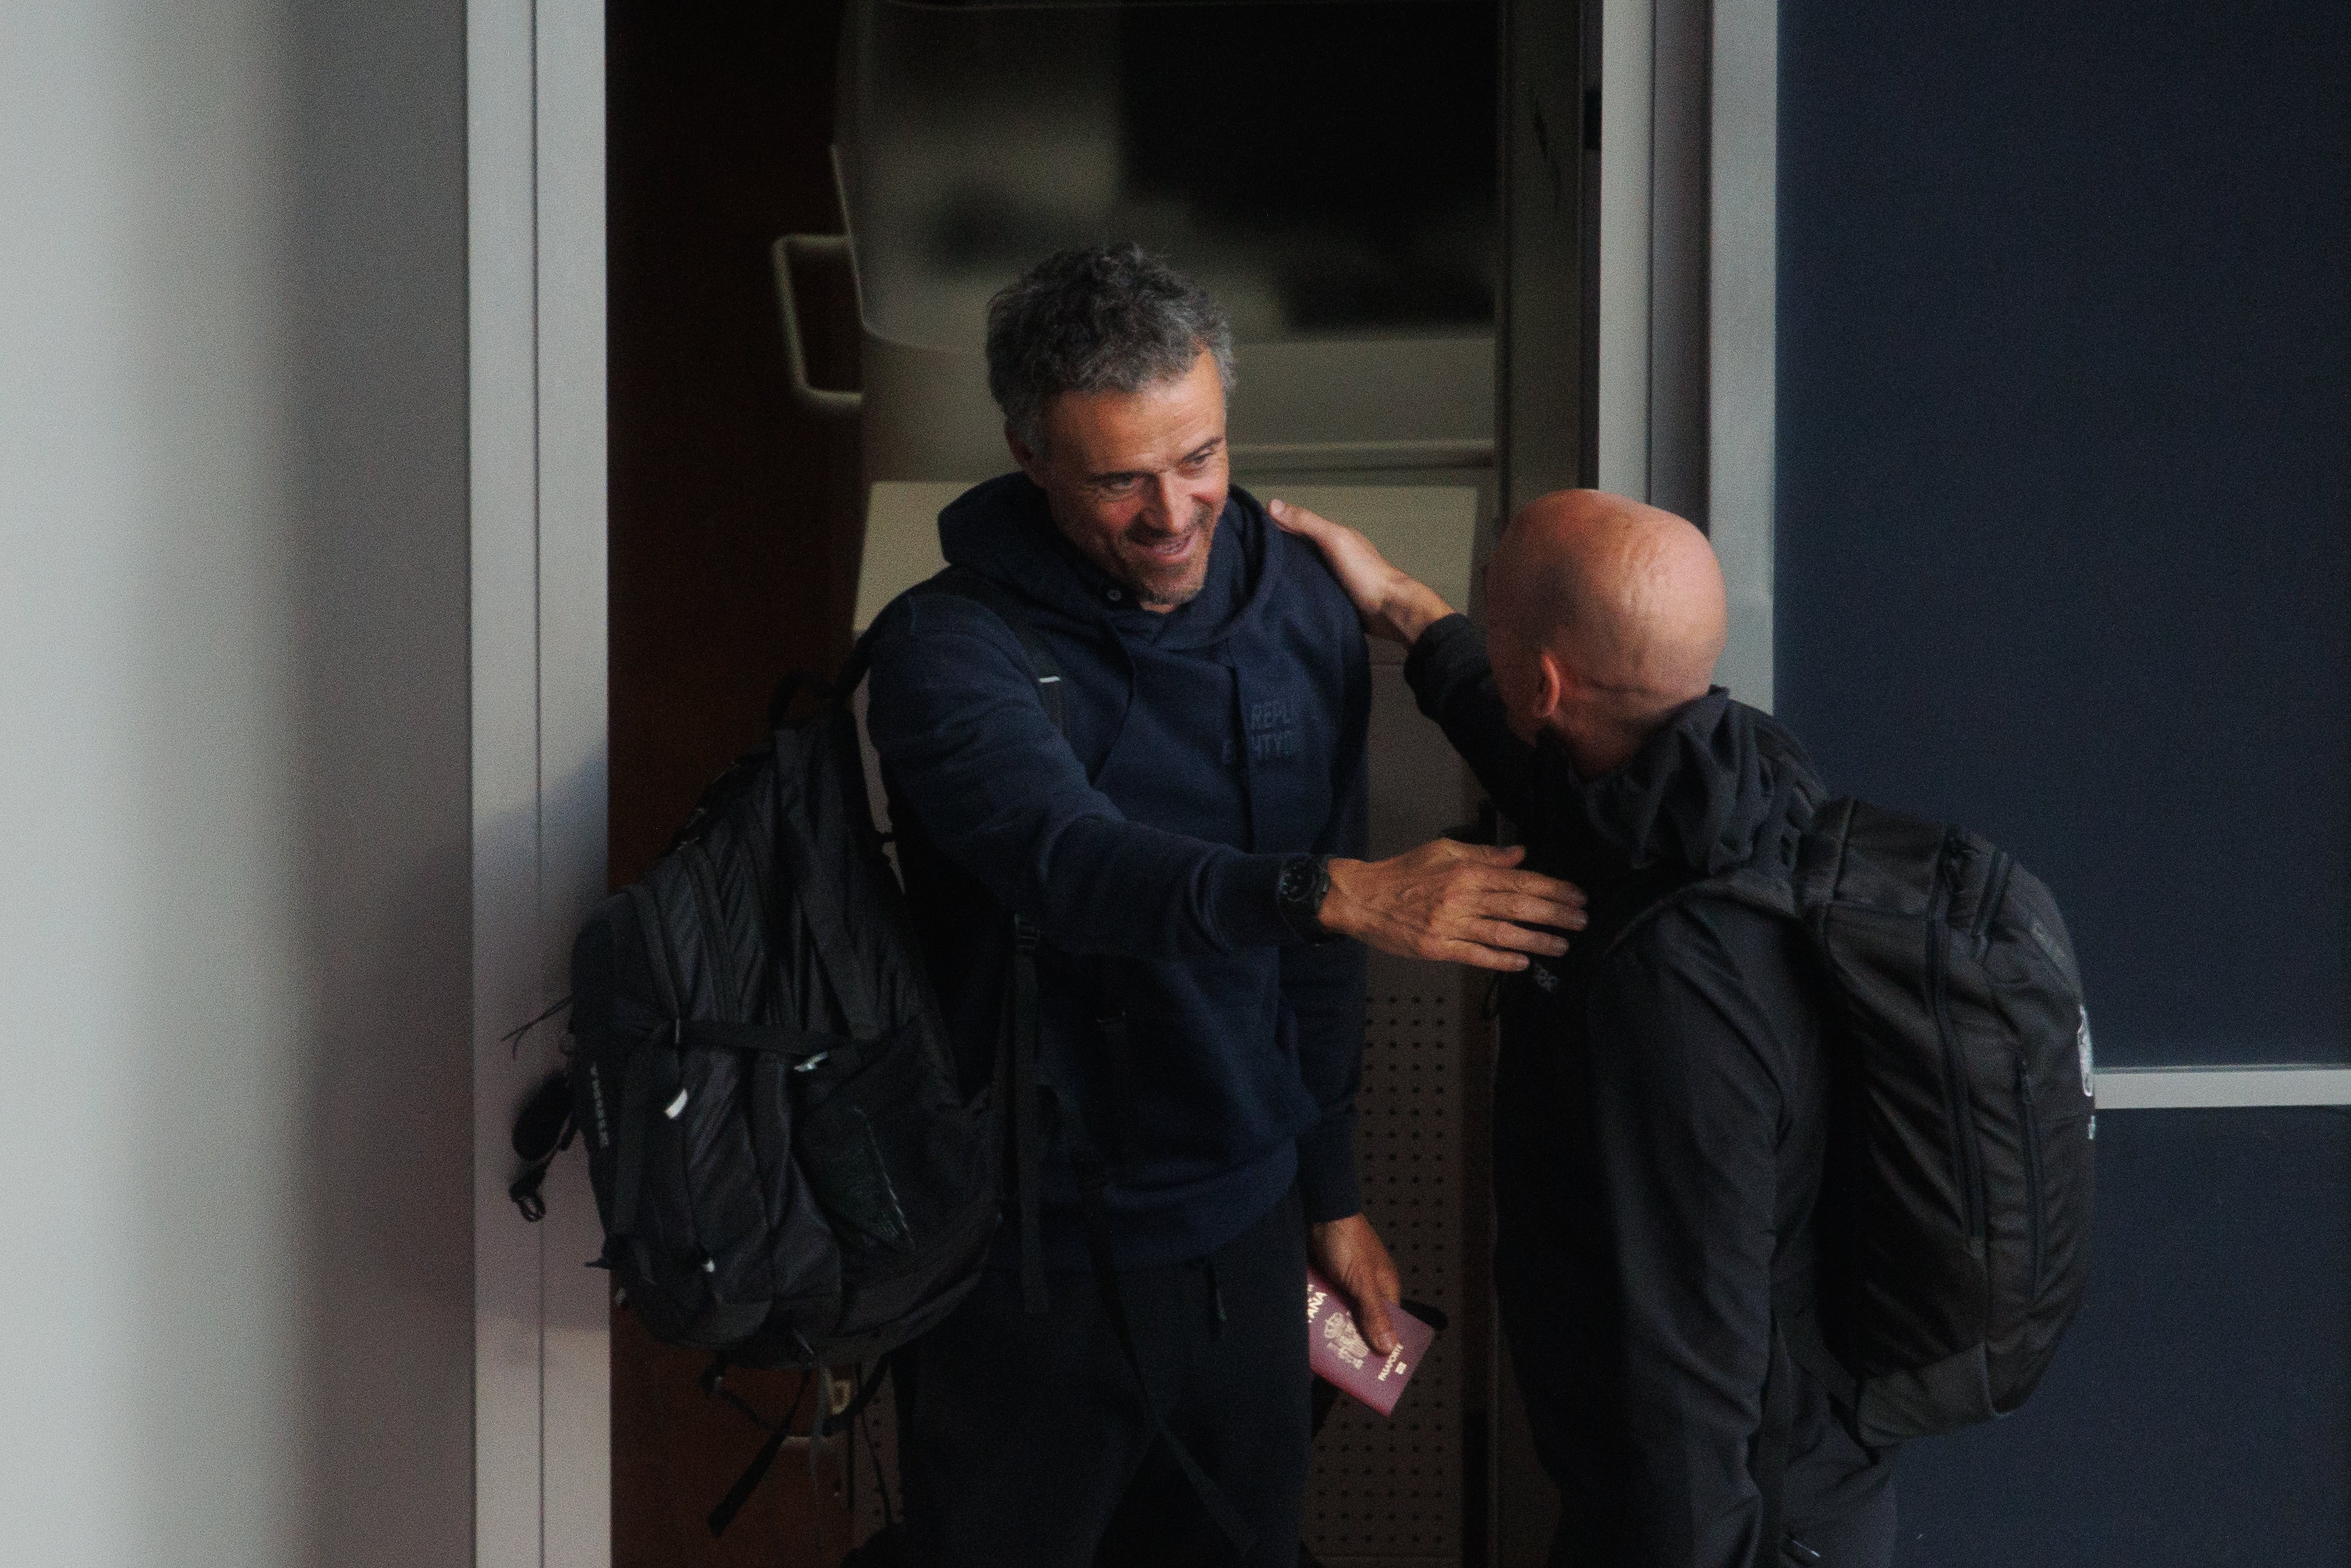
{"points": [[1761, 887], [965, 583], [1019, 1044]]}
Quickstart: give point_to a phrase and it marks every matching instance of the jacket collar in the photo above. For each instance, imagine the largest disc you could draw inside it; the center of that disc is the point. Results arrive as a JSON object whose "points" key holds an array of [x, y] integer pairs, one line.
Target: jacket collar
{"points": [[1718, 783]]}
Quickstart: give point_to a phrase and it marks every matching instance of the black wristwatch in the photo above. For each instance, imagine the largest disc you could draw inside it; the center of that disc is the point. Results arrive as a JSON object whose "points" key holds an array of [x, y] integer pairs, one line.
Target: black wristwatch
{"points": [[1305, 883]]}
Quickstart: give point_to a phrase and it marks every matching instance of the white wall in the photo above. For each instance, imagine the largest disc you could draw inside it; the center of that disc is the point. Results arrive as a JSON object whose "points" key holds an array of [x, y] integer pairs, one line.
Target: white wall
{"points": [[234, 811]]}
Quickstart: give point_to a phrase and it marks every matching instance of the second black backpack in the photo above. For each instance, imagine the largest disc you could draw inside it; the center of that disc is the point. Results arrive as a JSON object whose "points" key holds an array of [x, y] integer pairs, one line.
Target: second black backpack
{"points": [[1954, 1218], [1955, 1228]]}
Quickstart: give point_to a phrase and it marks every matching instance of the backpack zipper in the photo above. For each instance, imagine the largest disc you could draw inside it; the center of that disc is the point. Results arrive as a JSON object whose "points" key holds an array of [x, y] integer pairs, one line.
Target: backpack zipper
{"points": [[2031, 1124], [761, 849], [667, 976], [665, 971], [705, 877], [1955, 1072], [1995, 889]]}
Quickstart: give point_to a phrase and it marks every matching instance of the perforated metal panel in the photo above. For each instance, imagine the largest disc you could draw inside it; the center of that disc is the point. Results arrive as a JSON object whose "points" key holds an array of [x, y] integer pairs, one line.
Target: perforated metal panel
{"points": [[1391, 1490]]}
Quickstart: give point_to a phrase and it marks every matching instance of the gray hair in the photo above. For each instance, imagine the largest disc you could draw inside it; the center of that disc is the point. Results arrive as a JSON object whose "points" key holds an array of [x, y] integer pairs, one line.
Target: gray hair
{"points": [[1111, 318]]}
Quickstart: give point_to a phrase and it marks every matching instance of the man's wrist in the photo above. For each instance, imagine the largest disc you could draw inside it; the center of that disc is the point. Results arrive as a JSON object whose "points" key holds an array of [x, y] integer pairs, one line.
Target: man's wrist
{"points": [[1300, 893], [1412, 609], [1337, 915]]}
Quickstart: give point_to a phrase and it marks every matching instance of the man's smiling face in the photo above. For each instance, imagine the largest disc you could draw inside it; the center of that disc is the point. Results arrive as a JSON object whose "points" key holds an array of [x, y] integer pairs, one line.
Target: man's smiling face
{"points": [[1137, 480]]}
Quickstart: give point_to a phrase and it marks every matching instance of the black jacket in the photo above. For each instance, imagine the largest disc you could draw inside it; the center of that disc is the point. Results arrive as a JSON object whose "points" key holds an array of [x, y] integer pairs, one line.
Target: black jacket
{"points": [[1204, 748], [1659, 1112]]}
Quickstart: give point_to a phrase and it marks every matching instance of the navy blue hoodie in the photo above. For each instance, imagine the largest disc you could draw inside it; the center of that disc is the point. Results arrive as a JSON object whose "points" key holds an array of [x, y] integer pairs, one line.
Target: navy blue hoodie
{"points": [[1204, 748]]}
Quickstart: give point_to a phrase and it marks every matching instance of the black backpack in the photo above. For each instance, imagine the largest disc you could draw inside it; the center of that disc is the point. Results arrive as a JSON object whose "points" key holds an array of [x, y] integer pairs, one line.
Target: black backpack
{"points": [[1954, 1224], [784, 1170], [1956, 1246]]}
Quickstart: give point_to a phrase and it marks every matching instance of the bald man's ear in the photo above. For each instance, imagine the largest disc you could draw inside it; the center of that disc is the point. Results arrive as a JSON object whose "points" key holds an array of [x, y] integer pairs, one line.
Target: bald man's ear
{"points": [[1550, 686]]}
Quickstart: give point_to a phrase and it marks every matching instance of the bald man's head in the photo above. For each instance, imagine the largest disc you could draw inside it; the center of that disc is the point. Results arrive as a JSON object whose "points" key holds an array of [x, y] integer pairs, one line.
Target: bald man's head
{"points": [[1607, 615]]}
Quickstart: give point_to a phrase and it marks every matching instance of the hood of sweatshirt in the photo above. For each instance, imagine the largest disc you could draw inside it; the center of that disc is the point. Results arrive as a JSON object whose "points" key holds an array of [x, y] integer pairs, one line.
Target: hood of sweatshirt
{"points": [[1003, 530], [1718, 784]]}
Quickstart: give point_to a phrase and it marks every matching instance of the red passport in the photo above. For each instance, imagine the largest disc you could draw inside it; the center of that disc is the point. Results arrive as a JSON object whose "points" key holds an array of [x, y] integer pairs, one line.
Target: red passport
{"points": [[1341, 1356]]}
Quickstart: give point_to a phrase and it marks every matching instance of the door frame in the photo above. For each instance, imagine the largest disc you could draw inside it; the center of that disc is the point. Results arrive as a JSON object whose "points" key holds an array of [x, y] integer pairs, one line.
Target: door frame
{"points": [[535, 248], [1687, 296]]}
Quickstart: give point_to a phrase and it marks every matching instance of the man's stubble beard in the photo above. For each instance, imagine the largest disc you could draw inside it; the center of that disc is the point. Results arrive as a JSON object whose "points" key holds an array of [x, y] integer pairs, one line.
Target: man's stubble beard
{"points": [[1151, 596]]}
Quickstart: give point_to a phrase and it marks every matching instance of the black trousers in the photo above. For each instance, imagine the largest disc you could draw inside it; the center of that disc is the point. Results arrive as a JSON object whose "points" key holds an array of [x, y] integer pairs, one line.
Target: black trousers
{"points": [[1024, 1442]]}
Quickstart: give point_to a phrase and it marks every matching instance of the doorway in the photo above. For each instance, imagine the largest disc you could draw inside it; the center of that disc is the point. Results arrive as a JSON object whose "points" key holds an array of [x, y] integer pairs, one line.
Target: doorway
{"points": [[1356, 226]]}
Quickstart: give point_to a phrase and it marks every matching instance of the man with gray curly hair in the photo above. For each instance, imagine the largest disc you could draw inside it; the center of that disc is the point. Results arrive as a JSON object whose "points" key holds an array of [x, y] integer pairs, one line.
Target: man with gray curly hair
{"points": [[1116, 324], [1129, 1383], [1113, 319]]}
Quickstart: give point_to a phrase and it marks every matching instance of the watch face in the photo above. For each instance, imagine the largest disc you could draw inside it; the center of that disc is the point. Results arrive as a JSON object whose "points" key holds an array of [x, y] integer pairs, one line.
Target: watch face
{"points": [[1296, 877]]}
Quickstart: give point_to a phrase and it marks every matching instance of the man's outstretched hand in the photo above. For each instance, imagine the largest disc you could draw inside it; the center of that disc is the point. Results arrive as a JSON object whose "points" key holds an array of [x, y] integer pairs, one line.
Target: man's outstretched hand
{"points": [[1350, 1254], [1454, 903], [1391, 604], [1460, 903]]}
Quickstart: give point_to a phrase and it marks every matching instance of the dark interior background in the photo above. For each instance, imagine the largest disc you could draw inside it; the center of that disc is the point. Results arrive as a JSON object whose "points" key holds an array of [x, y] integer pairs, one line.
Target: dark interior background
{"points": [[734, 524], [1391, 214], [2064, 552], [735, 533]]}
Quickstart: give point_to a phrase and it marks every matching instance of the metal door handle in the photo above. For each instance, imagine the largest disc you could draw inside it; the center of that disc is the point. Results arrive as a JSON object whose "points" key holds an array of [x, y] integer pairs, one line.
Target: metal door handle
{"points": [[821, 402]]}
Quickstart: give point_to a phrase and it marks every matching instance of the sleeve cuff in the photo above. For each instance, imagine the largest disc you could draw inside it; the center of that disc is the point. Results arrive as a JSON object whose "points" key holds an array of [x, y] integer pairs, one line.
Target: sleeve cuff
{"points": [[1247, 903], [1327, 1181], [1443, 653]]}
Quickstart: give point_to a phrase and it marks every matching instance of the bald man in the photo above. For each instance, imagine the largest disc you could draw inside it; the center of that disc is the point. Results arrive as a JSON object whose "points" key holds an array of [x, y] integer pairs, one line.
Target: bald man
{"points": [[1659, 1100]]}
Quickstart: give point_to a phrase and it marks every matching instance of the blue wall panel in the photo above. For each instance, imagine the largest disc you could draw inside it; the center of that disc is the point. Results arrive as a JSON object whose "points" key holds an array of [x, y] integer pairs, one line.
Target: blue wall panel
{"points": [[2200, 1412], [2064, 509]]}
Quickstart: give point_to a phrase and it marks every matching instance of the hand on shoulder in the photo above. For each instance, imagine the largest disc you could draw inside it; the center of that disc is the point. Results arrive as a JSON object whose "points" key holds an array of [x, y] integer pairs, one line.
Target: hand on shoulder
{"points": [[1392, 604]]}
